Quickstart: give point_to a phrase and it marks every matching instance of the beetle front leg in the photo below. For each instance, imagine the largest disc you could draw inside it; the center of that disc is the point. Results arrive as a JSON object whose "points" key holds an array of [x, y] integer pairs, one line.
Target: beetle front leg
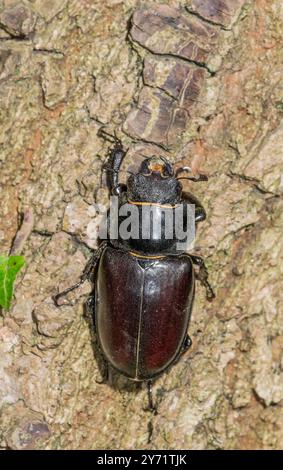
{"points": [[86, 275], [200, 213], [202, 276], [114, 162]]}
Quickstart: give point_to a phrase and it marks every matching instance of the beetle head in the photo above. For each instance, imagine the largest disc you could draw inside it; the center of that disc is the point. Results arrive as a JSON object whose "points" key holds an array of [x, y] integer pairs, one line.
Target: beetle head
{"points": [[157, 167], [155, 182]]}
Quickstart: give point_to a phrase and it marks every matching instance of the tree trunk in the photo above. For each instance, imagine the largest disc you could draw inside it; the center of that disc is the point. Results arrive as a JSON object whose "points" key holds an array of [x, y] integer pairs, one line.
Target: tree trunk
{"points": [[197, 81]]}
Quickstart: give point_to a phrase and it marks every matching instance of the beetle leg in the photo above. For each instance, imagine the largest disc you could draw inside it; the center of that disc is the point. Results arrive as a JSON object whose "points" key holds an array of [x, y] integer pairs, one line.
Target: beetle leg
{"points": [[102, 363], [88, 271], [196, 179], [90, 313], [151, 407], [89, 309], [105, 375], [202, 276], [107, 136], [114, 162], [200, 213]]}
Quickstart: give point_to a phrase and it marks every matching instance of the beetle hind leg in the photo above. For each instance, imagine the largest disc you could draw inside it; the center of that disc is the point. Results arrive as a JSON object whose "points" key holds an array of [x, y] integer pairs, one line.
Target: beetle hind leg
{"points": [[151, 407], [104, 376]]}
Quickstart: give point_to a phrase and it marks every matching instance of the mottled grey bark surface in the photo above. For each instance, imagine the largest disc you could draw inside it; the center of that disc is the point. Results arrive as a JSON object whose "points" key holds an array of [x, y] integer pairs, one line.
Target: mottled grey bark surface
{"points": [[203, 80]]}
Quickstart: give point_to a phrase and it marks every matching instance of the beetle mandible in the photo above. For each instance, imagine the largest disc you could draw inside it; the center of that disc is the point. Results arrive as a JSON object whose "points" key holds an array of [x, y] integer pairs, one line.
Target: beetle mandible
{"points": [[144, 288]]}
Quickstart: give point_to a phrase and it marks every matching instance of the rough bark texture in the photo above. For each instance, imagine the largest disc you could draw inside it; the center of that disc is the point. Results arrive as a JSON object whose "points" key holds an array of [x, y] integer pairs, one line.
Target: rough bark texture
{"points": [[203, 80]]}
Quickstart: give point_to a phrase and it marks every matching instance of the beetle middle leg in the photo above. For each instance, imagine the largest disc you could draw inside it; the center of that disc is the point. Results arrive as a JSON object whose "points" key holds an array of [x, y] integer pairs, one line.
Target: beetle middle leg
{"points": [[89, 306], [88, 271], [202, 276], [89, 313]]}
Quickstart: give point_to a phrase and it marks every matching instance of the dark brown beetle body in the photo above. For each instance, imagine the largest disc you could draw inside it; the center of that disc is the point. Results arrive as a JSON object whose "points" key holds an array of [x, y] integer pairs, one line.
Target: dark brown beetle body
{"points": [[142, 311], [144, 288]]}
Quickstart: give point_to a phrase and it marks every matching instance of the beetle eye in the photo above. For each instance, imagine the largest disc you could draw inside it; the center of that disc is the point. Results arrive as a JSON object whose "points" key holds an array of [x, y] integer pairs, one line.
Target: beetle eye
{"points": [[167, 168], [167, 171], [145, 168]]}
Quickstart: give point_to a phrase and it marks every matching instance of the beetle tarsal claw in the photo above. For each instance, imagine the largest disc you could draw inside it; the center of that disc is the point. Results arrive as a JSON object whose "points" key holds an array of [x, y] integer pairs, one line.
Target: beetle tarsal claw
{"points": [[151, 409]]}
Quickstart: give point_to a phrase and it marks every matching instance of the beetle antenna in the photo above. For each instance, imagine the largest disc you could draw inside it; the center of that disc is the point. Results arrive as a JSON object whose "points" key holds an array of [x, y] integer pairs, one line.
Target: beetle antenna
{"points": [[196, 179], [108, 137], [181, 169], [145, 156]]}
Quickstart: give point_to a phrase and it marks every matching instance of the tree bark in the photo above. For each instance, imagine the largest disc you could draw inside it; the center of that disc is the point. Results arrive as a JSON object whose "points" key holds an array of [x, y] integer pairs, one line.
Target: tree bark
{"points": [[195, 81]]}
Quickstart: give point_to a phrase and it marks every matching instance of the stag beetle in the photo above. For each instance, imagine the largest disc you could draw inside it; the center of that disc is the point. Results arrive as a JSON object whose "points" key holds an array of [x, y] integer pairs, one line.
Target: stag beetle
{"points": [[144, 289]]}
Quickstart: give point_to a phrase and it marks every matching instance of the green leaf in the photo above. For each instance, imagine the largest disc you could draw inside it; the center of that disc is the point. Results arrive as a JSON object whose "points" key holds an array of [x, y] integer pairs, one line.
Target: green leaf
{"points": [[9, 268]]}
